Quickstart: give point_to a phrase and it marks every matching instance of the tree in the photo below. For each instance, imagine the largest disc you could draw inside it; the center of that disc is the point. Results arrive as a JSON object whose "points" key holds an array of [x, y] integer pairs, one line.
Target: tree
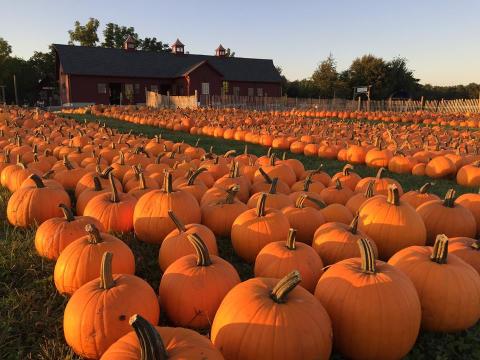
{"points": [[369, 70], [115, 36], [5, 49], [229, 53], [325, 77], [399, 79], [85, 35], [284, 82], [152, 44]]}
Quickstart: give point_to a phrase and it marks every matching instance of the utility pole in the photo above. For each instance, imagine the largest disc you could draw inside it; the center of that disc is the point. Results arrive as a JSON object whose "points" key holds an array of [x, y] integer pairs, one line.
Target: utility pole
{"points": [[4, 101], [15, 88]]}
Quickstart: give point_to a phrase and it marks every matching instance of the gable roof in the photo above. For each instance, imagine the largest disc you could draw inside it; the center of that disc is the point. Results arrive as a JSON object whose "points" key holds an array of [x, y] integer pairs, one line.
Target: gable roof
{"points": [[98, 61]]}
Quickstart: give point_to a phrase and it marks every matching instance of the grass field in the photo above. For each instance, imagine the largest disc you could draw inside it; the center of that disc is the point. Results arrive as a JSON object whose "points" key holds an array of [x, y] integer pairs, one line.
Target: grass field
{"points": [[31, 310]]}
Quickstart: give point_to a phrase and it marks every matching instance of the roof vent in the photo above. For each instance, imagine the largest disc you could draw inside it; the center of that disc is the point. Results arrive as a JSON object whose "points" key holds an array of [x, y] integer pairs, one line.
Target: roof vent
{"points": [[178, 47], [220, 51], [129, 43]]}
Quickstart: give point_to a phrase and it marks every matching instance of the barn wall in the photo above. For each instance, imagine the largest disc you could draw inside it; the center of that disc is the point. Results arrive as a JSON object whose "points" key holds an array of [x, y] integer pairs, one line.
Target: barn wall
{"points": [[85, 88], [269, 89], [206, 74]]}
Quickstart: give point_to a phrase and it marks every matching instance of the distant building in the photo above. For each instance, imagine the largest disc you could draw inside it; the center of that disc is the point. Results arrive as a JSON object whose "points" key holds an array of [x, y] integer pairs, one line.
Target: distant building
{"points": [[106, 76]]}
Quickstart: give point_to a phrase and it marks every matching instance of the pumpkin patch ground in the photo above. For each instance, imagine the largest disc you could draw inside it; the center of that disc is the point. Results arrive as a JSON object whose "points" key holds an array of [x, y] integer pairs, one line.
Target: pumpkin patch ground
{"points": [[188, 203]]}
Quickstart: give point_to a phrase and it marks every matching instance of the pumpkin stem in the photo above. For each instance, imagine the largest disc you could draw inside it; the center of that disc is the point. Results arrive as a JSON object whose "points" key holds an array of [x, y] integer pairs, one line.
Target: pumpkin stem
{"points": [[393, 196], [299, 203], [231, 193], [476, 244], [267, 178], [449, 200], [94, 235], [369, 190], [245, 150], [354, 224], [178, 223], [317, 202], [203, 257], [290, 244], [368, 256], [115, 198], [307, 182], [193, 176], [284, 286], [67, 212], [106, 277], [167, 182], [151, 344], [97, 184], [273, 186], [346, 169], [380, 172], [105, 173], [229, 153], [272, 160], [440, 250], [269, 152], [338, 184], [38, 181], [261, 205], [121, 159], [424, 189]]}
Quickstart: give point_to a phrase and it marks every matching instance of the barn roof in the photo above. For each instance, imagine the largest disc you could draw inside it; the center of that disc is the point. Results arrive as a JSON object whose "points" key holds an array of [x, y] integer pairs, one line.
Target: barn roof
{"points": [[98, 61]]}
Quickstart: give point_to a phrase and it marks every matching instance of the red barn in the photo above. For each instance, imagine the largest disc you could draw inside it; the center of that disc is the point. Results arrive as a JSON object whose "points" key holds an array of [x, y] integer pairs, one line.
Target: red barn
{"points": [[107, 76]]}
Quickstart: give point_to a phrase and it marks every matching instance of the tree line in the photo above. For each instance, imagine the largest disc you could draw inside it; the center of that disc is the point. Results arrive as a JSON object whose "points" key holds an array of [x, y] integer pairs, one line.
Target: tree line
{"points": [[36, 76], [387, 79]]}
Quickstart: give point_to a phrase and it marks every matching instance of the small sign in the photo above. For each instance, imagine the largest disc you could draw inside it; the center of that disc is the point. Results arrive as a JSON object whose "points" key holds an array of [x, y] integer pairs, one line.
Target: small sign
{"points": [[361, 90]]}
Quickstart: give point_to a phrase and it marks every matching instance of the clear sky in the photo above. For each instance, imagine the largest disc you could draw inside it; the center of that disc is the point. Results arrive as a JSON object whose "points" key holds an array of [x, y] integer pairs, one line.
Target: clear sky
{"points": [[440, 39]]}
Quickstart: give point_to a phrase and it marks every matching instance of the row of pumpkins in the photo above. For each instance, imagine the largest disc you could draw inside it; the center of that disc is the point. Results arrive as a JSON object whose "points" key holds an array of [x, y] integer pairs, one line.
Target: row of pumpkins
{"points": [[434, 151], [314, 242]]}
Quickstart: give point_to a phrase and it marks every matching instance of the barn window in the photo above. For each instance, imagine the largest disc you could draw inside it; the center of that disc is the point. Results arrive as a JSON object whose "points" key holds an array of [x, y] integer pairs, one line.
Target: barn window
{"points": [[102, 88], [137, 88], [236, 91], [154, 88], [225, 87], [250, 91], [205, 88], [259, 92]]}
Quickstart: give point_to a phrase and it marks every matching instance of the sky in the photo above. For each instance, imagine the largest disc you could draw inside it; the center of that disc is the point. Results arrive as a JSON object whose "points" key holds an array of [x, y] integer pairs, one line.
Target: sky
{"points": [[440, 39]]}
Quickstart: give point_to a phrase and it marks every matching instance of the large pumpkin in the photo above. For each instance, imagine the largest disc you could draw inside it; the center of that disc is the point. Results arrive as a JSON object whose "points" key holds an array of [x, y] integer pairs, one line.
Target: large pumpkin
{"points": [[148, 342], [150, 218], [193, 286], [265, 318], [80, 261], [449, 288], [255, 228], [391, 223], [31, 205], [447, 217], [363, 293], [176, 243], [97, 314], [56, 233], [279, 258]]}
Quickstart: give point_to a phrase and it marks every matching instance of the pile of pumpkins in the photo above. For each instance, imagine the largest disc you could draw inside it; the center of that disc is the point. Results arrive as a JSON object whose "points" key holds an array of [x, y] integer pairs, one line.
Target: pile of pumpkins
{"points": [[344, 262], [434, 150]]}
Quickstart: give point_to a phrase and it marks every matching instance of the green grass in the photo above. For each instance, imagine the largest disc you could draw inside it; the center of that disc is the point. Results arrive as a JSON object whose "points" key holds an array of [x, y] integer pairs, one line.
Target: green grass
{"points": [[31, 310]]}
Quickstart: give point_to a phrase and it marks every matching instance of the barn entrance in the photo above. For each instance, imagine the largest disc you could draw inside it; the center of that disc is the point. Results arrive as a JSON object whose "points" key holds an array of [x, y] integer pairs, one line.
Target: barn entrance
{"points": [[115, 91]]}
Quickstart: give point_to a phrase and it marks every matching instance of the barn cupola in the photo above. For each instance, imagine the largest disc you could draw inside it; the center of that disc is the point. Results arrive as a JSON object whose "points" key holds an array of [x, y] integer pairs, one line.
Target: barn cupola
{"points": [[129, 43], [220, 51], [178, 47]]}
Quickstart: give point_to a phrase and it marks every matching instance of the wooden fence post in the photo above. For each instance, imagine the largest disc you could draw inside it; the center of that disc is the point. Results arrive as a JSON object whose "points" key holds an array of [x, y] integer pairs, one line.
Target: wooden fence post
{"points": [[359, 105]]}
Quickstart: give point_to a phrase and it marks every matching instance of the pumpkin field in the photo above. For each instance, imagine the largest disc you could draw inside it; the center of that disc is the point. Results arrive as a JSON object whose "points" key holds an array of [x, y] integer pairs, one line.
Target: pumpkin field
{"points": [[137, 233]]}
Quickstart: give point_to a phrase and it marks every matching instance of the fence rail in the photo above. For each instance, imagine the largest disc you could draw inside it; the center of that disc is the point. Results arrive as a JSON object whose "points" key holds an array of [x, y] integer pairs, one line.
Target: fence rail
{"points": [[286, 103]]}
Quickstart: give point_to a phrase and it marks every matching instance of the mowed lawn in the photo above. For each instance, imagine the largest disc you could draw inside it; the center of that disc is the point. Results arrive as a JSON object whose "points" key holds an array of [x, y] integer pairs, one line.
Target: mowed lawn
{"points": [[31, 310]]}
